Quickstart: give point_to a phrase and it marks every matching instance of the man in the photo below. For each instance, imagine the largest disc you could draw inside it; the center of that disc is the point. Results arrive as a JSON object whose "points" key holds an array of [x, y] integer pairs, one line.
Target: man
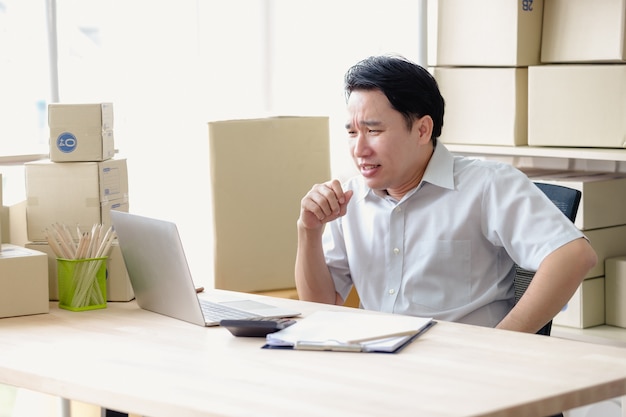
{"points": [[421, 232]]}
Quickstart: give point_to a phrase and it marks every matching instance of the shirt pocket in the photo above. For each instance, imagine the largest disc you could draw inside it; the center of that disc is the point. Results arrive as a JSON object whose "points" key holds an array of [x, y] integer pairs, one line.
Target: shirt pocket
{"points": [[440, 279]]}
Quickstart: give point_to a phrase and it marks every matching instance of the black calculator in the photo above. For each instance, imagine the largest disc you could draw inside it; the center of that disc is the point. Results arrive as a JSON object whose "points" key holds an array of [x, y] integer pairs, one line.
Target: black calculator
{"points": [[256, 327]]}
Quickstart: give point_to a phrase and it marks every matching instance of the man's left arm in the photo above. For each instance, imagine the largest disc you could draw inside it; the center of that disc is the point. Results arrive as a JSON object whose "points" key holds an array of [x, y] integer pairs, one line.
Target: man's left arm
{"points": [[554, 283]]}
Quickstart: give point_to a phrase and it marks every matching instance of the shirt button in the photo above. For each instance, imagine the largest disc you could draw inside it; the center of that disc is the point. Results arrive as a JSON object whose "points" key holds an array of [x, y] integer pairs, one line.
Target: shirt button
{"points": [[398, 209], [396, 251], [392, 291]]}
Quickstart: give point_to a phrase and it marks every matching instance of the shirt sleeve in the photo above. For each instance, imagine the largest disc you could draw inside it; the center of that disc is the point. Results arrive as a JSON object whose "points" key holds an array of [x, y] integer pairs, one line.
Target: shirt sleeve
{"points": [[521, 218], [336, 257]]}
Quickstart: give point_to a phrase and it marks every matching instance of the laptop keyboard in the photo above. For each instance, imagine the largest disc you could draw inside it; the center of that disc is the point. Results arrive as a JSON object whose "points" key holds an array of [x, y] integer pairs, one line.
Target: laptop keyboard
{"points": [[215, 312]]}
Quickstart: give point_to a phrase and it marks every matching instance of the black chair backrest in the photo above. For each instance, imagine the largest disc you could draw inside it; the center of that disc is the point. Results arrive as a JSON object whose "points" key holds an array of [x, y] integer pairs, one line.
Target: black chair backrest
{"points": [[567, 200]]}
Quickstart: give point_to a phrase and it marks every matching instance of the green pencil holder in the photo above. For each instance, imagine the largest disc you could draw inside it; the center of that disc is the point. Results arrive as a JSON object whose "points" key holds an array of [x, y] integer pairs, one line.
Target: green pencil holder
{"points": [[82, 283]]}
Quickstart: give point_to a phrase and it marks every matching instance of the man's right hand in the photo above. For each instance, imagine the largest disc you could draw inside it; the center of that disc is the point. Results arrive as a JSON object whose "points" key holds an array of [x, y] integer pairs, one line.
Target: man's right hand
{"points": [[322, 204]]}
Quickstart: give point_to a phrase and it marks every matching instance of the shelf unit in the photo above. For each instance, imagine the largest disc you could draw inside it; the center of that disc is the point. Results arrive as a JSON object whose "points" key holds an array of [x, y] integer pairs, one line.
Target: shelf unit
{"points": [[21, 159], [597, 154], [603, 334]]}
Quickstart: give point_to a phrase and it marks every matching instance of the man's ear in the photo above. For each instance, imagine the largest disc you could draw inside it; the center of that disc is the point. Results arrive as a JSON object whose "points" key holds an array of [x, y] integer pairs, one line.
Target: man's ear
{"points": [[424, 127]]}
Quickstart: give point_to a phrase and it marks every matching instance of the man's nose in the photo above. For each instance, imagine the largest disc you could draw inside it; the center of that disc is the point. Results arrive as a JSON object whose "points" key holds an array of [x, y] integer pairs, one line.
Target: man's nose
{"points": [[361, 146]]}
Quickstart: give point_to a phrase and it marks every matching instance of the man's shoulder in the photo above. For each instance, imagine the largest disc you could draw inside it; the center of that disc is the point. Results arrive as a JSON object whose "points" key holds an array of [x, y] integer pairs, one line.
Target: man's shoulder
{"points": [[465, 164]]}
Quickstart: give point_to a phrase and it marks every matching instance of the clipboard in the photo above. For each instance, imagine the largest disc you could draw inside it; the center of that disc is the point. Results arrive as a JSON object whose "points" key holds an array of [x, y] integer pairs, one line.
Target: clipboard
{"points": [[342, 331]]}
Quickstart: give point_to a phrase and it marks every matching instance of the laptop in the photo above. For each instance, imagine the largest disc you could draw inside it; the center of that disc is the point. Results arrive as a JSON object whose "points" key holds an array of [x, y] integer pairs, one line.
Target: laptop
{"points": [[162, 282]]}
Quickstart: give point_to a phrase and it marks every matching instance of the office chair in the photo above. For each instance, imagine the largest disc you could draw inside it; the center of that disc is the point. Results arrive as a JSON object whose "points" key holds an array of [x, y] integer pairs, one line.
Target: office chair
{"points": [[567, 200]]}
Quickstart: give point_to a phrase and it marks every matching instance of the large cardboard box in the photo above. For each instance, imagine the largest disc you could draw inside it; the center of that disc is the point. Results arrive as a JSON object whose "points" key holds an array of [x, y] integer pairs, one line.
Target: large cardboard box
{"points": [[608, 242], [577, 105], [81, 132], [487, 33], [75, 194], [4, 216], [586, 307], [260, 170], [53, 288], [119, 287], [118, 282], [615, 287], [583, 31], [14, 223], [23, 281], [603, 198], [484, 106]]}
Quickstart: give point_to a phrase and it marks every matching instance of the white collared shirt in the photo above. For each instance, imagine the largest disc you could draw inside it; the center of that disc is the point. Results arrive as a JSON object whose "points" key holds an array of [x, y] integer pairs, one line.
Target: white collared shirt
{"points": [[447, 249]]}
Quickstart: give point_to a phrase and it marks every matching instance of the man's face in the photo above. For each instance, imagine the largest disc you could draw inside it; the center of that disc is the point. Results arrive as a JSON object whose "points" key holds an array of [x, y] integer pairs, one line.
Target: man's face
{"points": [[389, 156]]}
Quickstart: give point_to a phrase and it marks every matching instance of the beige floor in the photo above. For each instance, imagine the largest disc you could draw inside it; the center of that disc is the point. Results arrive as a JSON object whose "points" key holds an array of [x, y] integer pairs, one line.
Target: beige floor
{"points": [[24, 403], [7, 399]]}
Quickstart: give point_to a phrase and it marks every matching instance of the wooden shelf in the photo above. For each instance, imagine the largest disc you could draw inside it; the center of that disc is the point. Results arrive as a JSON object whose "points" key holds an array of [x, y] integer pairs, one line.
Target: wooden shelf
{"points": [[605, 335], [601, 154], [21, 159]]}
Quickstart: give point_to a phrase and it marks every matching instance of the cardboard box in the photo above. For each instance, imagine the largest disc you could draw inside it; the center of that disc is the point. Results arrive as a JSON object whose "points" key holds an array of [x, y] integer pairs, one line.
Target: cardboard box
{"points": [[53, 288], [118, 282], [256, 201], [3, 213], [615, 295], [487, 33], [603, 199], [586, 307], [81, 132], [608, 242], [484, 106], [577, 105], [14, 223], [583, 31], [23, 281], [75, 194]]}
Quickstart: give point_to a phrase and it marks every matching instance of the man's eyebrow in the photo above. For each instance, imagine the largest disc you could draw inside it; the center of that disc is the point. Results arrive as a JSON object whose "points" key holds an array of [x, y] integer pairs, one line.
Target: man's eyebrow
{"points": [[365, 123]]}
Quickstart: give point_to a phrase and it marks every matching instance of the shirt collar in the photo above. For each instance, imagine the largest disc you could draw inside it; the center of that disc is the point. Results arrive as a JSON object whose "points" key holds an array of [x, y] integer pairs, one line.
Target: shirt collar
{"points": [[439, 172], [440, 169]]}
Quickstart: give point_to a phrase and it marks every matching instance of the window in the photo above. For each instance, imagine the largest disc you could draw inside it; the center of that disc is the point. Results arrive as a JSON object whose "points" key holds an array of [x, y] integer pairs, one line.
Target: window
{"points": [[24, 77], [25, 86]]}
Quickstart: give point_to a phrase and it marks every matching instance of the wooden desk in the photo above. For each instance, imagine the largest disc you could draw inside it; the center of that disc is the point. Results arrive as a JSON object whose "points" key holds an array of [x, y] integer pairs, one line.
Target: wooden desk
{"points": [[124, 358]]}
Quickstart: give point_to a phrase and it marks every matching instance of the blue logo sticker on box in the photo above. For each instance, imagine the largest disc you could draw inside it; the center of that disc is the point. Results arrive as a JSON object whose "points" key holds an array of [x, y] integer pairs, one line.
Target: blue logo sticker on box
{"points": [[66, 142]]}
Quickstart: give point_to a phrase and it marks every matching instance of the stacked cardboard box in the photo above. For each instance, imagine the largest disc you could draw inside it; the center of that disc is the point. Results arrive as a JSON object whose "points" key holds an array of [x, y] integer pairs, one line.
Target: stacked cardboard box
{"points": [[23, 276], [577, 97], [601, 216], [78, 186], [483, 51], [2, 215], [23, 281], [615, 269], [81, 132], [517, 72]]}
